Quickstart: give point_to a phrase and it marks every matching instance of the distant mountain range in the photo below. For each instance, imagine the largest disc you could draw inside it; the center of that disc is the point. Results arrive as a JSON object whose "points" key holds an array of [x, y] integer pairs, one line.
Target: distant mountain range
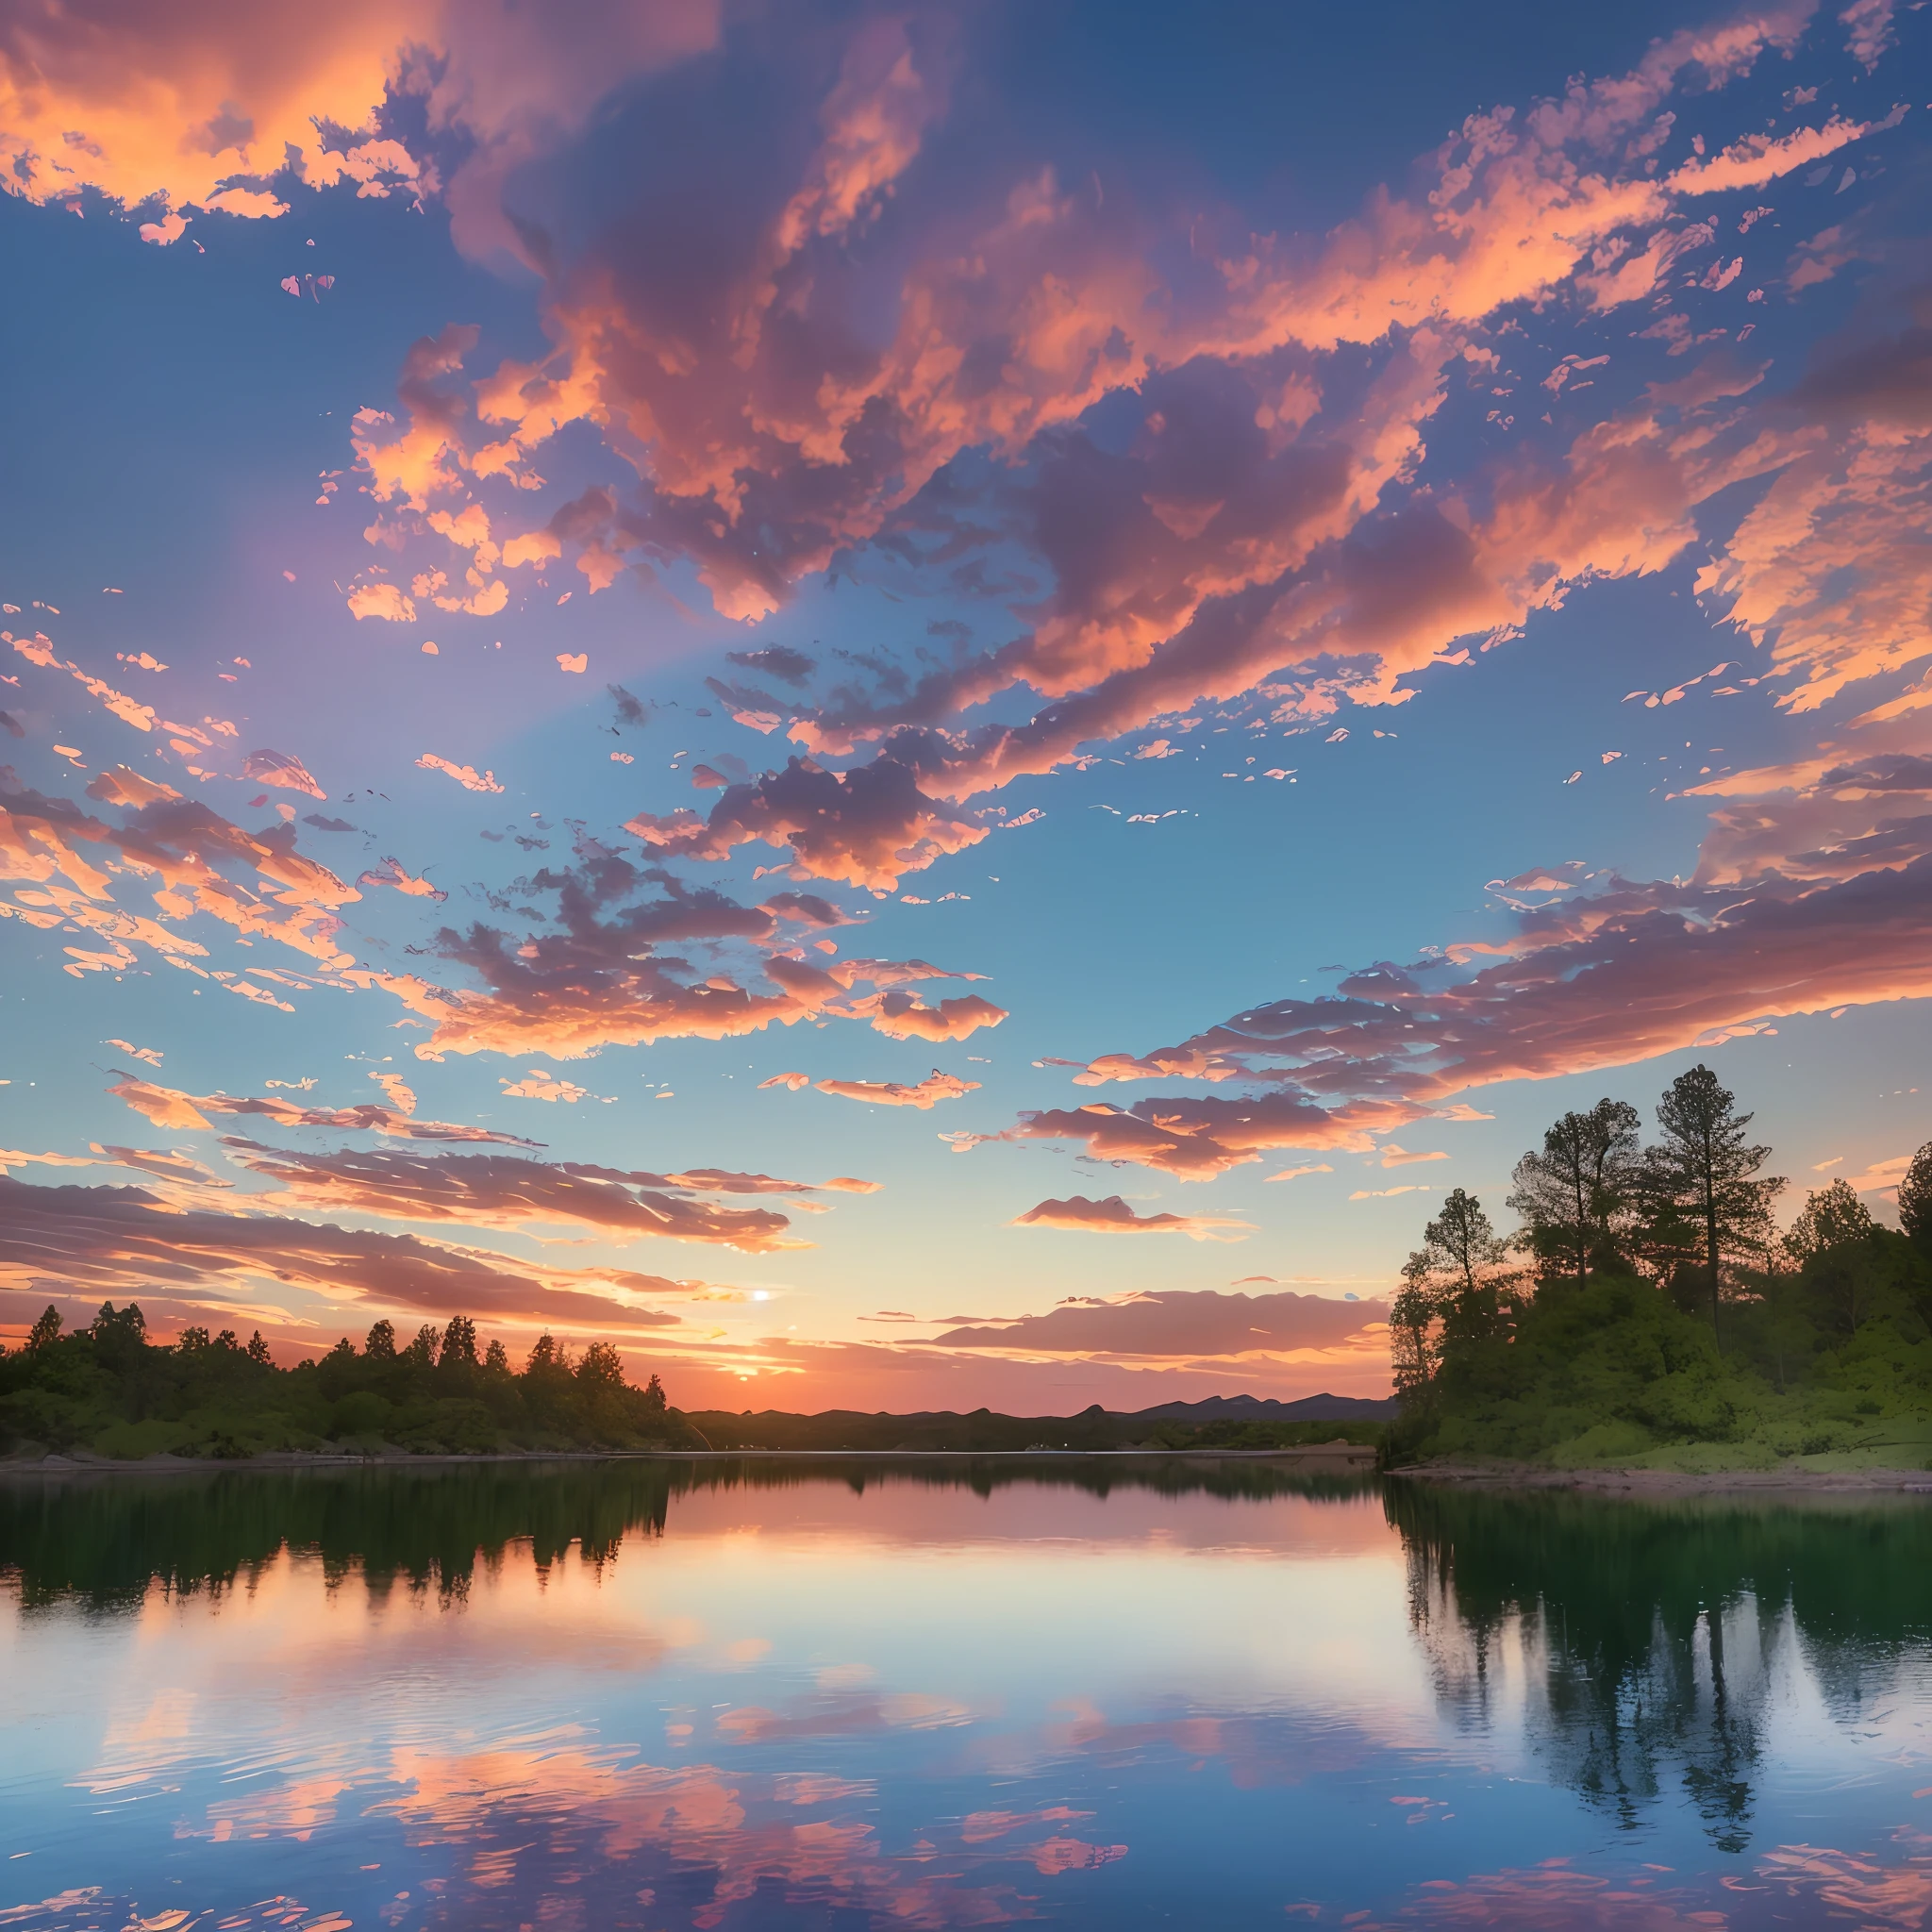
{"points": [[1246, 1408]]}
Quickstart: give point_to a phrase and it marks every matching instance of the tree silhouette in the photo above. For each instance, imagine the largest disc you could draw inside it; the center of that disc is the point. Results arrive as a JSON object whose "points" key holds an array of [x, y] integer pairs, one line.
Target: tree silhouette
{"points": [[1915, 1200], [47, 1328], [1575, 1193], [1704, 1170], [380, 1347], [459, 1343], [1831, 1242], [1464, 1257]]}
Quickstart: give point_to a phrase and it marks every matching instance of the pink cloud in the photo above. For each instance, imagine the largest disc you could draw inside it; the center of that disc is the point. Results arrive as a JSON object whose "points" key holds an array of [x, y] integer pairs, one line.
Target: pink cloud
{"points": [[927, 1092], [503, 1191], [112, 1241], [1113, 1216], [281, 768], [1180, 1324]]}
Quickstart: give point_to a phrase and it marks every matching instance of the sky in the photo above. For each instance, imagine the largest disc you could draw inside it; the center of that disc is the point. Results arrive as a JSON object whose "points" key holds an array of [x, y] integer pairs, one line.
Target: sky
{"points": [[923, 707]]}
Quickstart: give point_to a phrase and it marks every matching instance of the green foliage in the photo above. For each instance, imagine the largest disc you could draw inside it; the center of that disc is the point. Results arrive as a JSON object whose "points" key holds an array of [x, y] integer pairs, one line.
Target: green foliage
{"points": [[1826, 1348], [106, 1390]]}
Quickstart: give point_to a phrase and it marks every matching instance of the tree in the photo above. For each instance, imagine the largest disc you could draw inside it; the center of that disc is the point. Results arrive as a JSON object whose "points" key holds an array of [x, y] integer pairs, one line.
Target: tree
{"points": [[1915, 1200], [654, 1398], [601, 1367], [421, 1353], [496, 1359], [1575, 1193], [1704, 1170], [1463, 1262], [380, 1347], [119, 1337], [46, 1329], [1413, 1319], [257, 1353], [1831, 1241], [459, 1343], [1832, 1217]]}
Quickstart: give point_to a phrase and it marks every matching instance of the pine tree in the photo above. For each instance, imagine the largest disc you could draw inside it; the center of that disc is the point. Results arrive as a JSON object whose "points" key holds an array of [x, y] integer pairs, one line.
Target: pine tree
{"points": [[46, 1329], [1575, 1194], [257, 1350], [1915, 1200], [380, 1347], [1704, 1170]]}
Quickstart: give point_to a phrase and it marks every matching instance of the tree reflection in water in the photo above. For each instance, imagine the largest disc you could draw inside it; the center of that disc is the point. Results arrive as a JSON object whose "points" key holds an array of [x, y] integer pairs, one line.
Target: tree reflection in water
{"points": [[102, 1541], [1644, 1642]]}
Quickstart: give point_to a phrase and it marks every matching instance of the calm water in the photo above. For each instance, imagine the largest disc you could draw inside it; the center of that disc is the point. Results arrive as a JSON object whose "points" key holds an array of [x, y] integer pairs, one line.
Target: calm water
{"points": [[733, 1696]]}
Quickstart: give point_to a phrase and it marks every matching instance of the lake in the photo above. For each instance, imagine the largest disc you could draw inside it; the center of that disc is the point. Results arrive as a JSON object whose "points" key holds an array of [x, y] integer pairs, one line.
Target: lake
{"points": [[753, 1695]]}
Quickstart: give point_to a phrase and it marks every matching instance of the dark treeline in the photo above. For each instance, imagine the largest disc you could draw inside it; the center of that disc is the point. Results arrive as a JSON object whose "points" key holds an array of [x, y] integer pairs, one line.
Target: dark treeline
{"points": [[103, 1544], [1647, 1301], [107, 1389], [1650, 1635], [984, 1431]]}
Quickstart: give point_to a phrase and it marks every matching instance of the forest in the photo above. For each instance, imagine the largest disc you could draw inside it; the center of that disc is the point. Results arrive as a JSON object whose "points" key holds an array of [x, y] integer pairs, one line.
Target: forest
{"points": [[1648, 1309], [108, 1390]]}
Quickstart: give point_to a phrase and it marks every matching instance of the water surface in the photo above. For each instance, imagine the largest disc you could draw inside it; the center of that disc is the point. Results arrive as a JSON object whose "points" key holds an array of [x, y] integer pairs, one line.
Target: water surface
{"points": [[753, 1696]]}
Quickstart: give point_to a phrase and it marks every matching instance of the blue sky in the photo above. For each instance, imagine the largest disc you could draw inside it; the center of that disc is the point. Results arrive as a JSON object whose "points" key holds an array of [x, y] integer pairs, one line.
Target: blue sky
{"points": [[1372, 403]]}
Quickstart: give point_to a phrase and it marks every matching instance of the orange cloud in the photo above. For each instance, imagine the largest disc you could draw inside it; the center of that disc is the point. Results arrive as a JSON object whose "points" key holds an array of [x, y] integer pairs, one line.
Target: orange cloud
{"points": [[927, 1092], [168, 1107]]}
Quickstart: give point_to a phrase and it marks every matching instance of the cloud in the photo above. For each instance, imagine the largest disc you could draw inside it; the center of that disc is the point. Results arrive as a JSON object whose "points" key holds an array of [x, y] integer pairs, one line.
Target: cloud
{"points": [[864, 827], [254, 882], [1179, 1324], [1243, 529], [281, 768], [608, 972], [933, 1088], [1113, 1216], [1616, 975], [381, 600], [112, 1240], [1197, 1139], [901, 1016], [168, 1107], [205, 115], [1393, 1155], [390, 873], [503, 1191], [465, 775]]}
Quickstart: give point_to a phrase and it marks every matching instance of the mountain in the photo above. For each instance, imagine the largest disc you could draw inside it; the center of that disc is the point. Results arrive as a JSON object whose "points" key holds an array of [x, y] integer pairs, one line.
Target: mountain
{"points": [[1255, 1408]]}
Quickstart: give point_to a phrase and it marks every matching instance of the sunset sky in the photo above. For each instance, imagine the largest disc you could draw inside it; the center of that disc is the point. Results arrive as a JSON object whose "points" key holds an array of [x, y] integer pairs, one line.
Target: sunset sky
{"points": [[940, 706]]}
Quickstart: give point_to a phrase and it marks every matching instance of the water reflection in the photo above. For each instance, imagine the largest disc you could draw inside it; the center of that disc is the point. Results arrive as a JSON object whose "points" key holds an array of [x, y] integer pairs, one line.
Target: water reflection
{"points": [[744, 1696], [107, 1540], [1641, 1646]]}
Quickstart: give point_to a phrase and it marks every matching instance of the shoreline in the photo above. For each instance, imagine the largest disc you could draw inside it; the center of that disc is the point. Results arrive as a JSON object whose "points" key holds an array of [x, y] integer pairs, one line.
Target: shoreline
{"points": [[1644, 1483], [1321, 1458]]}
